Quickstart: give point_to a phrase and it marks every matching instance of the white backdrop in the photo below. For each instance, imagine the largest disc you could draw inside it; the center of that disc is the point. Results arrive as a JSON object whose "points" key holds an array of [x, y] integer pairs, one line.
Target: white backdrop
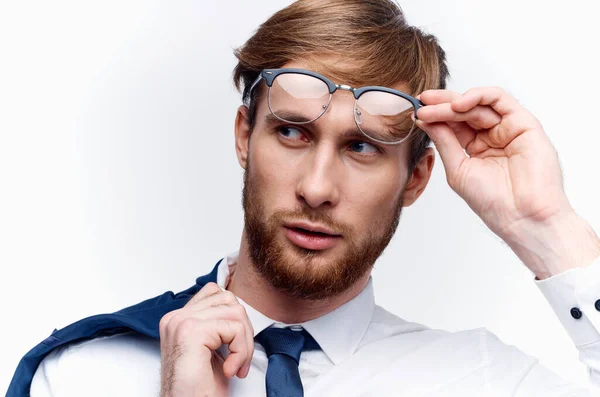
{"points": [[118, 177]]}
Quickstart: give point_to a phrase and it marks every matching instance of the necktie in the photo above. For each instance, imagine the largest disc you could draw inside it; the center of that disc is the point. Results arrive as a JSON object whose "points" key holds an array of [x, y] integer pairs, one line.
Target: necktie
{"points": [[283, 347]]}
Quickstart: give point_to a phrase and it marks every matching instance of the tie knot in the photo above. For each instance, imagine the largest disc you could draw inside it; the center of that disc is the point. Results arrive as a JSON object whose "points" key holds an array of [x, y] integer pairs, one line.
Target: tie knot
{"points": [[286, 341]]}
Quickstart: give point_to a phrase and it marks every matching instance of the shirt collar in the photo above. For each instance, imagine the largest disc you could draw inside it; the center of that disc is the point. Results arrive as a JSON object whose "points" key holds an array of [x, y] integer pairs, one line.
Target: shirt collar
{"points": [[350, 321]]}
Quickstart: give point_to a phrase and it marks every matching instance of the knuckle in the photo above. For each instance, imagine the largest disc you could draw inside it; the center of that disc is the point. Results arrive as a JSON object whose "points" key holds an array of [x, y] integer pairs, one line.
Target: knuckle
{"points": [[211, 287], [164, 322], [237, 327], [176, 319], [187, 327], [195, 299], [239, 312], [229, 297], [233, 327], [480, 116], [498, 90]]}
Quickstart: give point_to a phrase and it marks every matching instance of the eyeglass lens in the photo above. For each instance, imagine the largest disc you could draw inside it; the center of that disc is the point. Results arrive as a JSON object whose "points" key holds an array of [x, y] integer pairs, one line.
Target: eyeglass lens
{"points": [[382, 116]]}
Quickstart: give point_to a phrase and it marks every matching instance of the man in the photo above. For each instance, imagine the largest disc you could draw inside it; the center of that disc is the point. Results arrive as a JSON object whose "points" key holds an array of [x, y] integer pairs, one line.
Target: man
{"points": [[328, 168]]}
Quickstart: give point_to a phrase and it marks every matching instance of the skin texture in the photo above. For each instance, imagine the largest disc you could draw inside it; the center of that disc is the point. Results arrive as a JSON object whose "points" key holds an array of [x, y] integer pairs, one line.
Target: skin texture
{"points": [[496, 157], [190, 367], [315, 173], [318, 173]]}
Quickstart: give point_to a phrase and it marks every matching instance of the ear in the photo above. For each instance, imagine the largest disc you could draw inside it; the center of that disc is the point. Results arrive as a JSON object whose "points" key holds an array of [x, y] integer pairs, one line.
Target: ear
{"points": [[419, 178], [242, 135]]}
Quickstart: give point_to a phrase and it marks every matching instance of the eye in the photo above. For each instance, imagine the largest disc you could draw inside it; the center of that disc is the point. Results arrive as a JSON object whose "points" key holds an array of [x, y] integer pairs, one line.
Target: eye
{"points": [[363, 147], [290, 133]]}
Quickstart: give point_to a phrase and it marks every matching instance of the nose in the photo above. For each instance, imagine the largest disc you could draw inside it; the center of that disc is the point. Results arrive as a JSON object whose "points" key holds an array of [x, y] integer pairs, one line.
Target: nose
{"points": [[318, 185]]}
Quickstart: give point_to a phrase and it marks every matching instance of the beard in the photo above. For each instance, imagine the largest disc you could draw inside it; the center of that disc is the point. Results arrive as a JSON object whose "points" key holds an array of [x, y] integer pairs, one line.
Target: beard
{"points": [[299, 272]]}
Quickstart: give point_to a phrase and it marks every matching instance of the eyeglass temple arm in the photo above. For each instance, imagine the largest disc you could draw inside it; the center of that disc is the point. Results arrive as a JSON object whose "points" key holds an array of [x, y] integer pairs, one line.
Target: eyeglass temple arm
{"points": [[421, 105], [255, 83]]}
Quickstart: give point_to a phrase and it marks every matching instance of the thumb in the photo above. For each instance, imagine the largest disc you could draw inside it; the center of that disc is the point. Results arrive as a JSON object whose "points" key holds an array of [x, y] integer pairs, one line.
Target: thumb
{"points": [[446, 143]]}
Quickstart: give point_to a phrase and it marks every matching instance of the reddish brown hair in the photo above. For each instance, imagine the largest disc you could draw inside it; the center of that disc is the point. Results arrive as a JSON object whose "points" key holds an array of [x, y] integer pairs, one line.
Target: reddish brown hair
{"points": [[357, 42]]}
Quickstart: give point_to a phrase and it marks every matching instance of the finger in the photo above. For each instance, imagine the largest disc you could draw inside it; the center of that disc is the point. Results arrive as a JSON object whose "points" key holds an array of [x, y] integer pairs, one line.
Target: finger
{"points": [[208, 290], [515, 118], [464, 132], [192, 345], [447, 144], [482, 143], [481, 117], [221, 298], [435, 97], [249, 340], [212, 334], [503, 103], [236, 313], [233, 333]]}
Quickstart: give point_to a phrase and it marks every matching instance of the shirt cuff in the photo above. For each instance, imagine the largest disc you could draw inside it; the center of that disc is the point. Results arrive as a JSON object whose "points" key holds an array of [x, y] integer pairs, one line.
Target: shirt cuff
{"points": [[575, 297]]}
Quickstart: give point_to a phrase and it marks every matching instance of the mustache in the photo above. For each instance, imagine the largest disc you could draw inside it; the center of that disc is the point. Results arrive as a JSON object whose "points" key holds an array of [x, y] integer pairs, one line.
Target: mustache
{"points": [[319, 217]]}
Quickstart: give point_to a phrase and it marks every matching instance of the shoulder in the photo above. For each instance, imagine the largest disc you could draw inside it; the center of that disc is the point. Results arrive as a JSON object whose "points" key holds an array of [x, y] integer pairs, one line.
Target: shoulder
{"points": [[479, 343], [444, 358], [385, 325], [112, 365]]}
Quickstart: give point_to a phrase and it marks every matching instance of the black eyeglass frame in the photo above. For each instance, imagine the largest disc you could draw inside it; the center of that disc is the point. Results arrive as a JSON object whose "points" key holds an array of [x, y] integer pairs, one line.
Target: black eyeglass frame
{"points": [[269, 76]]}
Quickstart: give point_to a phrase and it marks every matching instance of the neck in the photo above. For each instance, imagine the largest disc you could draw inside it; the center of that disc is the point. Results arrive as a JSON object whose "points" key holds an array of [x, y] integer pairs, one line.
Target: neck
{"points": [[248, 285]]}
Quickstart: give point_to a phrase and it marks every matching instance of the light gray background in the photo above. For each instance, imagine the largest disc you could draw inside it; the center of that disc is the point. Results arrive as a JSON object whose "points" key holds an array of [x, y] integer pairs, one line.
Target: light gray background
{"points": [[118, 177]]}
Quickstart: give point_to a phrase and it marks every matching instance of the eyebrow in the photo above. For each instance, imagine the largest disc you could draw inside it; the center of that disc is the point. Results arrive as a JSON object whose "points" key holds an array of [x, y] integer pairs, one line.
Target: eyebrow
{"points": [[355, 133]]}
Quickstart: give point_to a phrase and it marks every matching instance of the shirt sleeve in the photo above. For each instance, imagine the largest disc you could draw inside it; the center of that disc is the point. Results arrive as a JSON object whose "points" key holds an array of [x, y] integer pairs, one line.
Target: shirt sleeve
{"points": [[575, 298], [511, 372], [118, 365]]}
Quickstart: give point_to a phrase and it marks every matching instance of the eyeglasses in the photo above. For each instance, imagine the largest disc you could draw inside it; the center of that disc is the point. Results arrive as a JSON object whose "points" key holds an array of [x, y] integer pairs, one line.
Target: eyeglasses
{"points": [[299, 96]]}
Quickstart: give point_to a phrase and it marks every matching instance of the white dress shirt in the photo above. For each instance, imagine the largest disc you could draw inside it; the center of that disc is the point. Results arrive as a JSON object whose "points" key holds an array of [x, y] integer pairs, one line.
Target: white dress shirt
{"points": [[366, 351]]}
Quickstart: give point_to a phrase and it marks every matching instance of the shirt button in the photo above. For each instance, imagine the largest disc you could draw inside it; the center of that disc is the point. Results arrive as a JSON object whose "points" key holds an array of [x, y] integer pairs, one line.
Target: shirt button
{"points": [[597, 305], [576, 313]]}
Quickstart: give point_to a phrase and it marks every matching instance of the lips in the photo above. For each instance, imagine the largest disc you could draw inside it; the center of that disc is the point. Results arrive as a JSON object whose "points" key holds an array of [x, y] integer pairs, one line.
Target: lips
{"points": [[311, 236]]}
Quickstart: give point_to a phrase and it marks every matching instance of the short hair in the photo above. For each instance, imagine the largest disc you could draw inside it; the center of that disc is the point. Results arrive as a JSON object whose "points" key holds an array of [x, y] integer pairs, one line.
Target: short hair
{"points": [[359, 42]]}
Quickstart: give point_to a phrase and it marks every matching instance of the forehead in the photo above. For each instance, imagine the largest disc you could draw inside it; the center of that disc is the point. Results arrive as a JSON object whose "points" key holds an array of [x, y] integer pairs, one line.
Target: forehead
{"points": [[340, 72]]}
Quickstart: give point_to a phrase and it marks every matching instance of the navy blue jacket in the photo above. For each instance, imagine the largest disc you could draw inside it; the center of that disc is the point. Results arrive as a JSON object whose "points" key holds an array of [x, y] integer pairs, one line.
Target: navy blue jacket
{"points": [[143, 317]]}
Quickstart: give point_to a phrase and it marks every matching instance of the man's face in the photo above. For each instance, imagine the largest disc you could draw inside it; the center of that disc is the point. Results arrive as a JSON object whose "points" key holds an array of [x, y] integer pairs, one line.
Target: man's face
{"points": [[321, 201]]}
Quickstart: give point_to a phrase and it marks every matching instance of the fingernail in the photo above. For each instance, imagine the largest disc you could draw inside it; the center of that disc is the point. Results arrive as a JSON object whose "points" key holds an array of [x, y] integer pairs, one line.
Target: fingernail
{"points": [[412, 115], [419, 123]]}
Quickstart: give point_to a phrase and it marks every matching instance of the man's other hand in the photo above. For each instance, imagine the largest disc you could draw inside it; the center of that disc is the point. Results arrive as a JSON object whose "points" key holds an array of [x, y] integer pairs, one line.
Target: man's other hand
{"points": [[189, 338]]}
